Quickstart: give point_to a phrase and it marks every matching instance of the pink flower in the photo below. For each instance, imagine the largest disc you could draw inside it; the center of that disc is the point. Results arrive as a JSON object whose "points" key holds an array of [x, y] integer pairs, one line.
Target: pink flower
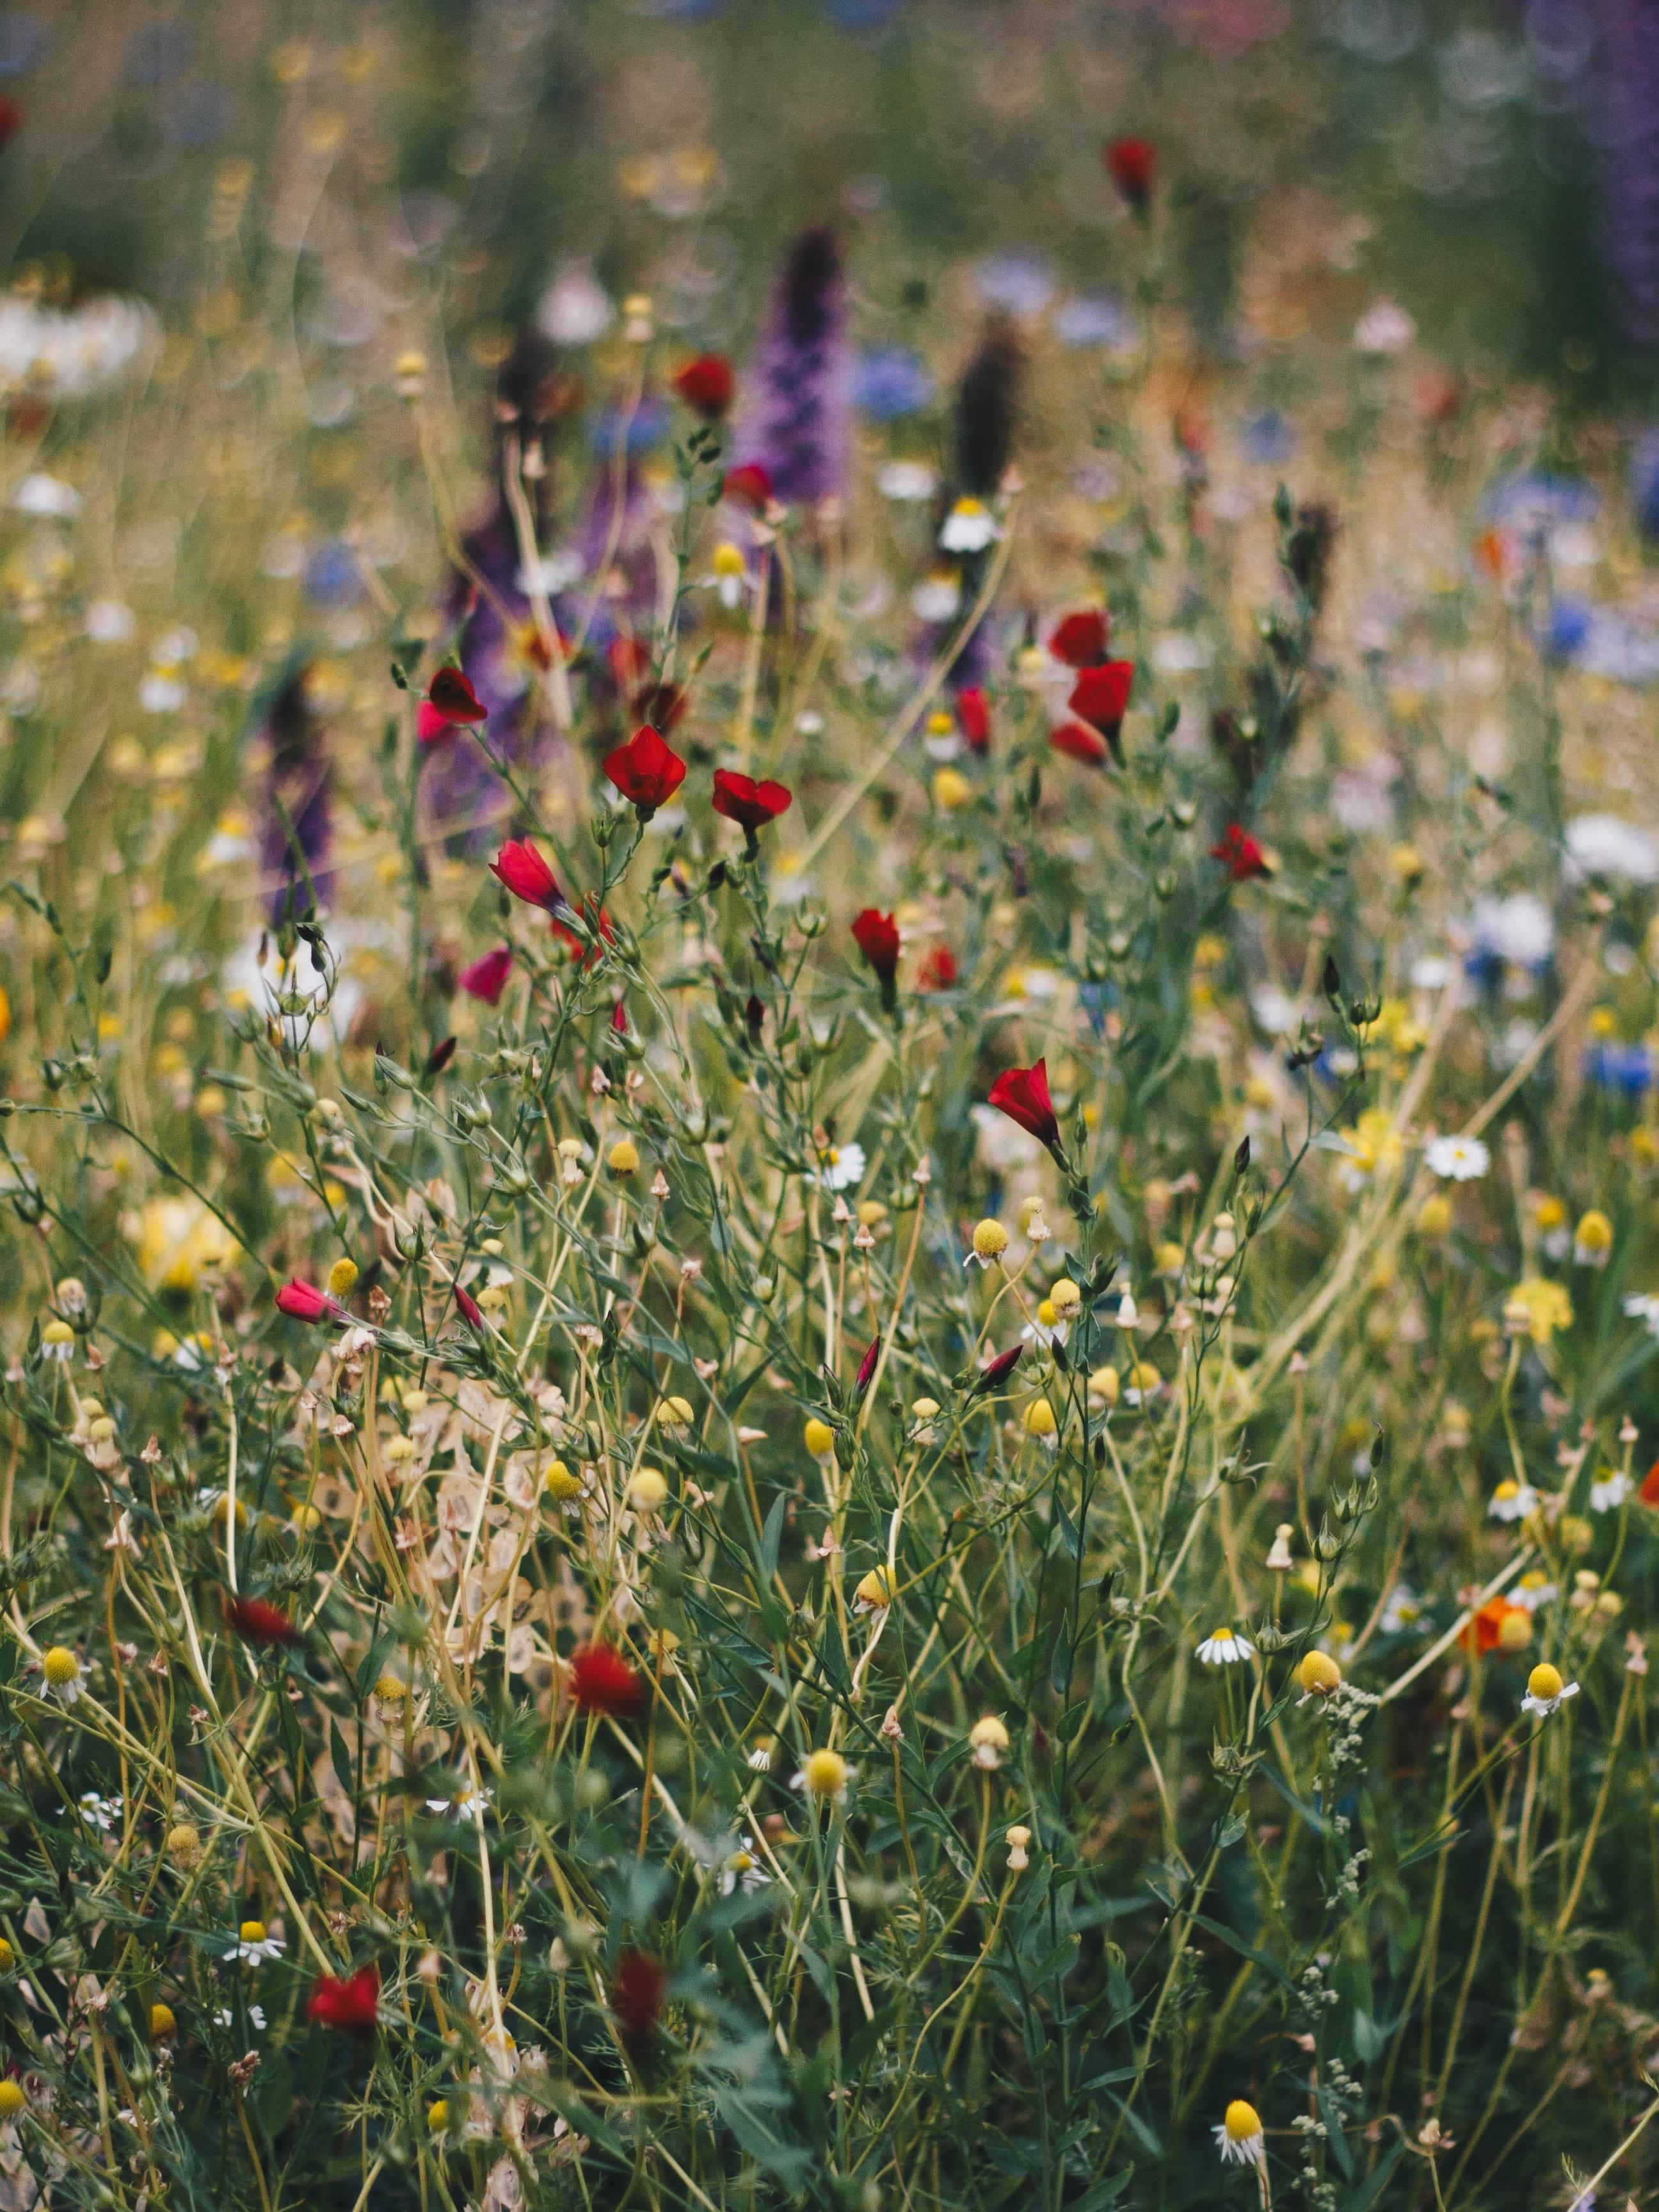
{"points": [[526, 875], [486, 979], [305, 1302]]}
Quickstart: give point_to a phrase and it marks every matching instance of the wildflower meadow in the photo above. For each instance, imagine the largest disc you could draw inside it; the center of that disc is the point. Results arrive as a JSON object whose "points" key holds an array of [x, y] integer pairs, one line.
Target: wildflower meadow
{"points": [[829, 1107]]}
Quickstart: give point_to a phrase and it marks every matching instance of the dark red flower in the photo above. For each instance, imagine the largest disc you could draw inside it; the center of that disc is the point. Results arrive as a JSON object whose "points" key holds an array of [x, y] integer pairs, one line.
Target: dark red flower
{"points": [[1101, 694], [748, 804], [619, 1019], [877, 937], [1649, 1493], [305, 1302], [1080, 743], [867, 1366], [939, 971], [440, 1056], [430, 726], [1022, 1093], [1239, 853], [526, 875], [645, 771], [639, 1989], [11, 120], [470, 1310], [350, 2003], [973, 718], [750, 485], [602, 1681], [707, 384], [1080, 640], [255, 1621], [665, 704], [486, 979], [1132, 163], [998, 1369], [450, 694]]}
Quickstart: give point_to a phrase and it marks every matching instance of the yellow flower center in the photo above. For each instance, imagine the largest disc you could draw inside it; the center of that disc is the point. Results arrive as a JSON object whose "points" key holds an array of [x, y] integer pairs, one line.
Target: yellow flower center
{"points": [[60, 1668], [1241, 2121], [1544, 1681], [825, 1772], [253, 1931]]}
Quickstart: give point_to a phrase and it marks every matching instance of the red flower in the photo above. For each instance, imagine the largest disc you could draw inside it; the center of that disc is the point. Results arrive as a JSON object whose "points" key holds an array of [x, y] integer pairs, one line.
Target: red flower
{"points": [[939, 971], [486, 979], [707, 384], [450, 695], [304, 1301], [1022, 1093], [470, 1312], [1239, 853], [602, 1681], [1648, 1493], [11, 121], [1080, 743], [350, 2003], [619, 1019], [973, 718], [526, 875], [665, 704], [867, 1366], [750, 485], [1080, 640], [1100, 695], [876, 938], [645, 771], [1130, 164], [998, 1369], [639, 1987], [598, 921], [257, 1621], [752, 804]]}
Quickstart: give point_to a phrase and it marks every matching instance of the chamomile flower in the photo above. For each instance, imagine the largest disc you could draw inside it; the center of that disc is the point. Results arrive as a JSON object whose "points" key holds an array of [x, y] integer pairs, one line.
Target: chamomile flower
{"points": [[730, 570], [875, 1591], [1226, 1647], [1046, 1327], [1611, 1492], [743, 1869], [1400, 1609], [824, 1775], [1512, 1501], [1238, 2137], [988, 1740], [61, 1671], [465, 1804], [841, 1167], [1592, 1241], [990, 1243], [1534, 1591], [224, 2017], [100, 1813], [57, 1342], [254, 1944], [969, 527], [761, 1754], [1456, 1160], [1546, 1690]]}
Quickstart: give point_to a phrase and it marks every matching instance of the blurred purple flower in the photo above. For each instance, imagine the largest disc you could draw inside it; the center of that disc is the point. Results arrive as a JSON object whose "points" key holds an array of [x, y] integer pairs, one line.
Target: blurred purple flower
{"points": [[1018, 284], [1645, 482], [23, 42], [889, 381], [1267, 437], [296, 834], [796, 419], [1629, 30], [1095, 318]]}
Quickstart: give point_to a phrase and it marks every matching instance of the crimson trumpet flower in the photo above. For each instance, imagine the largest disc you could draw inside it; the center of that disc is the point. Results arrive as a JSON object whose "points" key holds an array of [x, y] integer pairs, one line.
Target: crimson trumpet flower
{"points": [[450, 694], [350, 2003], [430, 726], [1022, 1093], [645, 771], [973, 718], [1101, 694], [526, 875], [1649, 1493], [867, 1366], [486, 979], [1080, 640], [305, 1302], [1080, 743], [255, 1621], [1240, 854], [751, 805], [602, 1681], [1132, 163], [639, 1989], [707, 386]]}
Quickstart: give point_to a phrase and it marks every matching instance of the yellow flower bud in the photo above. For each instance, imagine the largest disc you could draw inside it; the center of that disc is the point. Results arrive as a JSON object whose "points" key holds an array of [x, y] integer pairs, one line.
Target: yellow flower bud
{"points": [[342, 1278], [1040, 1420], [820, 1438], [825, 1773], [990, 1240], [1319, 1674], [623, 1158], [163, 2023], [648, 1491]]}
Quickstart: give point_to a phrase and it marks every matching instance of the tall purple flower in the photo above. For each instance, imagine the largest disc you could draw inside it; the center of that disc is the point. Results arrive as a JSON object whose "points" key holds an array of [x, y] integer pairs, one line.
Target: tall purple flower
{"points": [[988, 418], [796, 422], [296, 833], [1630, 186]]}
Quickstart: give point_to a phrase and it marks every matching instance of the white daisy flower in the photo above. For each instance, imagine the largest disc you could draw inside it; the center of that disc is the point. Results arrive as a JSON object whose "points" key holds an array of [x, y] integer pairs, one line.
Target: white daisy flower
{"points": [[1046, 1328], [100, 1813], [825, 1773], [1456, 1160], [1238, 2137], [760, 1756], [1608, 1495], [254, 1943], [1226, 1647], [465, 1804], [1546, 1691], [743, 1869], [1400, 1610], [1644, 1306], [1384, 328], [1534, 1591], [1513, 1501], [841, 1167], [46, 497], [907, 480], [969, 527], [936, 599], [224, 2017]]}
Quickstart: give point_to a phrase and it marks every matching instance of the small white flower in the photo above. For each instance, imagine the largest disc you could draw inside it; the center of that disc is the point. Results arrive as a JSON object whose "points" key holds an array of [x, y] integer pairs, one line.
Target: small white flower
{"points": [[224, 2017], [1608, 1495], [109, 622], [907, 480], [1534, 1591], [1603, 844], [969, 527], [1544, 1706], [1644, 1306], [1401, 1610], [760, 1758], [743, 1869], [575, 309], [936, 599], [46, 497], [1384, 328], [841, 1167], [1226, 1647], [100, 1813], [251, 1949], [466, 1805], [1239, 2137], [161, 693], [1456, 1160], [1513, 1501]]}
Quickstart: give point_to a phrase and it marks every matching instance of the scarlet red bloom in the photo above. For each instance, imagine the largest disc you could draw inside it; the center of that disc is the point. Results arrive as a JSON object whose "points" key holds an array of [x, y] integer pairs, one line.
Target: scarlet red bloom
{"points": [[750, 485], [350, 2002], [998, 1369], [1080, 743], [1131, 163], [639, 1987], [939, 971], [1101, 694], [1648, 1493], [1239, 853], [867, 1366], [304, 1301], [430, 726], [470, 1310], [619, 1019], [255, 1621], [973, 718], [526, 875], [1022, 1093], [748, 804], [1080, 640], [645, 771], [486, 979], [707, 384], [1485, 1632], [602, 1681], [876, 938], [450, 694]]}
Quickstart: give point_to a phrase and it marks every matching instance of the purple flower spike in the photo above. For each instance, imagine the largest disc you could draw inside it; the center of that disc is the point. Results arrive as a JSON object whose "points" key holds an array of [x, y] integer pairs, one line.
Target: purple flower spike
{"points": [[297, 831], [797, 419]]}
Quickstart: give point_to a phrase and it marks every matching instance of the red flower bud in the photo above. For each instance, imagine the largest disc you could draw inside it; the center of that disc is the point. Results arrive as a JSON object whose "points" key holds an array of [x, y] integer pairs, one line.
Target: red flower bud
{"points": [[257, 1621], [707, 384], [470, 1312], [639, 1987], [450, 694], [1240, 854], [998, 1369], [1131, 163], [1080, 640], [1022, 1093], [973, 718], [602, 1681], [938, 970], [1101, 694], [750, 485], [304, 1301], [867, 1366], [876, 938], [486, 979], [526, 875], [1080, 743]]}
